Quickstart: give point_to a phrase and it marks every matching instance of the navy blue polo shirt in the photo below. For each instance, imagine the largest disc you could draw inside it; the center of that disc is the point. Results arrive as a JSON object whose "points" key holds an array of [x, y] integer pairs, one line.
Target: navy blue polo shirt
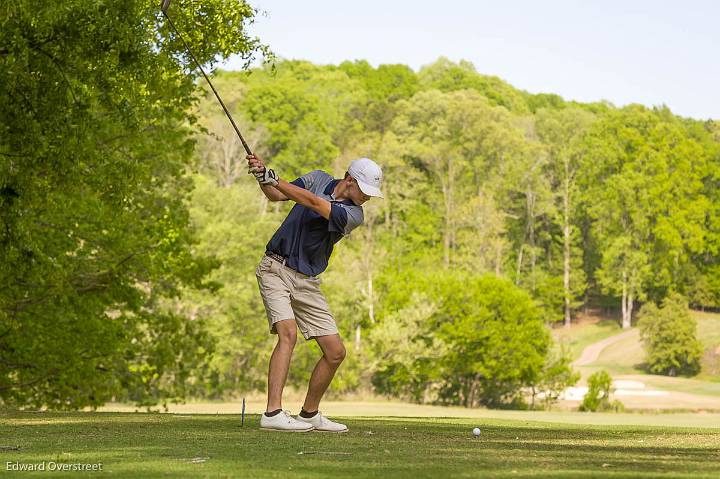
{"points": [[305, 238]]}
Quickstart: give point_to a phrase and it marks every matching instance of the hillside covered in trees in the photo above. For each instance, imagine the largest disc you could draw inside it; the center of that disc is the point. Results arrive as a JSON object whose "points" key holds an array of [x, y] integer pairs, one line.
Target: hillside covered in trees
{"points": [[503, 209], [130, 230]]}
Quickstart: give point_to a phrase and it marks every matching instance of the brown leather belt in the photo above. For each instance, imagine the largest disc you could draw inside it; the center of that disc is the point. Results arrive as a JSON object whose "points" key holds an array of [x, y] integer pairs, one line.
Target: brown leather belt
{"points": [[276, 257]]}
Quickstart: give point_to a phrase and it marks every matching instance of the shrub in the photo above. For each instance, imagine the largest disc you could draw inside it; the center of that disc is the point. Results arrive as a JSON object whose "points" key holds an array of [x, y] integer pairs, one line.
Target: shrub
{"points": [[481, 341], [556, 376], [669, 336], [598, 396]]}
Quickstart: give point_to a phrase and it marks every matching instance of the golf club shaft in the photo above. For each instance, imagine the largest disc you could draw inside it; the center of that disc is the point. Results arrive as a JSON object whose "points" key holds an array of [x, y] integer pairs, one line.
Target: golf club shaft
{"points": [[217, 95]]}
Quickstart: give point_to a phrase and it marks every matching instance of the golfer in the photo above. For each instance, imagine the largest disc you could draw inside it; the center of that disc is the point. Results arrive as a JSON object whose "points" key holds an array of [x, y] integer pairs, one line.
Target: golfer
{"points": [[325, 210]]}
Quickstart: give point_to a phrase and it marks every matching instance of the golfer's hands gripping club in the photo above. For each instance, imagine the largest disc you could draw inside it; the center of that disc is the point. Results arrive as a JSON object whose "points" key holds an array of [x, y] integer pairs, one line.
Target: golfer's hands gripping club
{"points": [[265, 176], [255, 164]]}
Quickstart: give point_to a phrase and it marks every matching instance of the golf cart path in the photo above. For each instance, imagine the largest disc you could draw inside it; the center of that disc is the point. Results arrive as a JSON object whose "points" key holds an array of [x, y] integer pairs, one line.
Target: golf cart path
{"points": [[592, 352], [632, 389]]}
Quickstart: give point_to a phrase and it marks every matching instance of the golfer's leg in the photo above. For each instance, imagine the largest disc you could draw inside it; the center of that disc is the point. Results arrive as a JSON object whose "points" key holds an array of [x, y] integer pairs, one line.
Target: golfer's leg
{"points": [[333, 354], [280, 362]]}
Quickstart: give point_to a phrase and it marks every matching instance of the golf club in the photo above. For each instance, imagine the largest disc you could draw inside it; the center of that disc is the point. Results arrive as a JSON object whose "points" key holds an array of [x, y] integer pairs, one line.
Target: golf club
{"points": [[164, 7]]}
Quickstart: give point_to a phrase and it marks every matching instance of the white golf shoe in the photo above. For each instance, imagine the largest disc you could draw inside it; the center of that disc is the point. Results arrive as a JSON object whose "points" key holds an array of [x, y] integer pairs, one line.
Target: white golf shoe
{"points": [[283, 421], [323, 424]]}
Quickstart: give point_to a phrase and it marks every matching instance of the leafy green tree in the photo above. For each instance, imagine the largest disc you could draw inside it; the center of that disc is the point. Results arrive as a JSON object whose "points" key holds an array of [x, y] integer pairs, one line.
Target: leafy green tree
{"points": [[562, 132], [669, 335], [96, 243], [449, 138], [703, 276], [220, 154], [405, 364], [598, 396], [667, 171], [304, 111], [384, 87], [681, 227], [447, 76], [650, 204], [231, 223], [483, 342], [547, 101], [529, 199]]}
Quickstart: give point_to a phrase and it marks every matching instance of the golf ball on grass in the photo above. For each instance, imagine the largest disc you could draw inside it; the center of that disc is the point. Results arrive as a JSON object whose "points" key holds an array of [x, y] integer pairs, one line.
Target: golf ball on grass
{"points": [[476, 432]]}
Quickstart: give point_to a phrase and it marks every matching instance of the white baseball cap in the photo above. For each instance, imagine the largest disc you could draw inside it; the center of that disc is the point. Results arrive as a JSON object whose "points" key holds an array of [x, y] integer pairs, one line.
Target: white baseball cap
{"points": [[368, 175]]}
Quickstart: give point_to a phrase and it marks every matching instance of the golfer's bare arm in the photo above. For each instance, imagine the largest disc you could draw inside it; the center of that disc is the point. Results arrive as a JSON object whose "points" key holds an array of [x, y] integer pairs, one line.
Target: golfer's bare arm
{"points": [[303, 197], [287, 191], [272, 193]]}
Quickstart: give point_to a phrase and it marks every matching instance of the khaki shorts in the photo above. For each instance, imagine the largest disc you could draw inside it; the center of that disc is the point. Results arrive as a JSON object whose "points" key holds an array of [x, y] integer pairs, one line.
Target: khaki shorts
{"points": [[289, 294]]}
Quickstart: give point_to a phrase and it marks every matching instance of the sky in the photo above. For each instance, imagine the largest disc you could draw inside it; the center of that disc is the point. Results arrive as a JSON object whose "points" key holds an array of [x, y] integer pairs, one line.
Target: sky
{"points": [[662, 52]]}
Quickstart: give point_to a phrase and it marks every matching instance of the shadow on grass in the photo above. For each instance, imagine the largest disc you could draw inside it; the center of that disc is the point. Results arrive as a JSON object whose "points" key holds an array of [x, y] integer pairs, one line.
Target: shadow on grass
{"points": [[151, 445]]}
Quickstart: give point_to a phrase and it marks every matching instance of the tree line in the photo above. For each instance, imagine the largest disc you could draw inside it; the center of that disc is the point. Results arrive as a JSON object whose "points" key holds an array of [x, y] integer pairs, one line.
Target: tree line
{"points": [[572, 205], [130, 231]]}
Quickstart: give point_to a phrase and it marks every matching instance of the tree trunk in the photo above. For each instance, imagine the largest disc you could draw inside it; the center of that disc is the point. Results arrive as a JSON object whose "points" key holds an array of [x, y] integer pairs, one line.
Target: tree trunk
{"points": [[532, 401], [229, 167], [264, 202], [472, 397], [388, 209], [371, 298], [357, 337], [625, 302], [566, 247], [368, 260], [367, 263], [519, 264], [531, 238], [446, 229], [448, 193]]}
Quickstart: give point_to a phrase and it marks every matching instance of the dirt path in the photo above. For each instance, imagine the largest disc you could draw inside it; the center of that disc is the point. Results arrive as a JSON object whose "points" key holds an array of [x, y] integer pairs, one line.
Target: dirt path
{"points": [[592, 352]]}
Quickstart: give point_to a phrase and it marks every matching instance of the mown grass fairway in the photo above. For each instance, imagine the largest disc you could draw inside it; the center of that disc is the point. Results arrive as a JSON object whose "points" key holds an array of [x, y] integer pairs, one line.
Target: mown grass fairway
{"points": [[155, 445], [578, 336]]}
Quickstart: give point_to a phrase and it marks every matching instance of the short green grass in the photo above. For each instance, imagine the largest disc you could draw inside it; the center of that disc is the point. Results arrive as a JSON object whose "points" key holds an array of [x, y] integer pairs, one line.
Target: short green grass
{"points": [[684, 385], [381, 408], [624, 356], [578, 336], [709, 333], [157, 445], [708, 328]]}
